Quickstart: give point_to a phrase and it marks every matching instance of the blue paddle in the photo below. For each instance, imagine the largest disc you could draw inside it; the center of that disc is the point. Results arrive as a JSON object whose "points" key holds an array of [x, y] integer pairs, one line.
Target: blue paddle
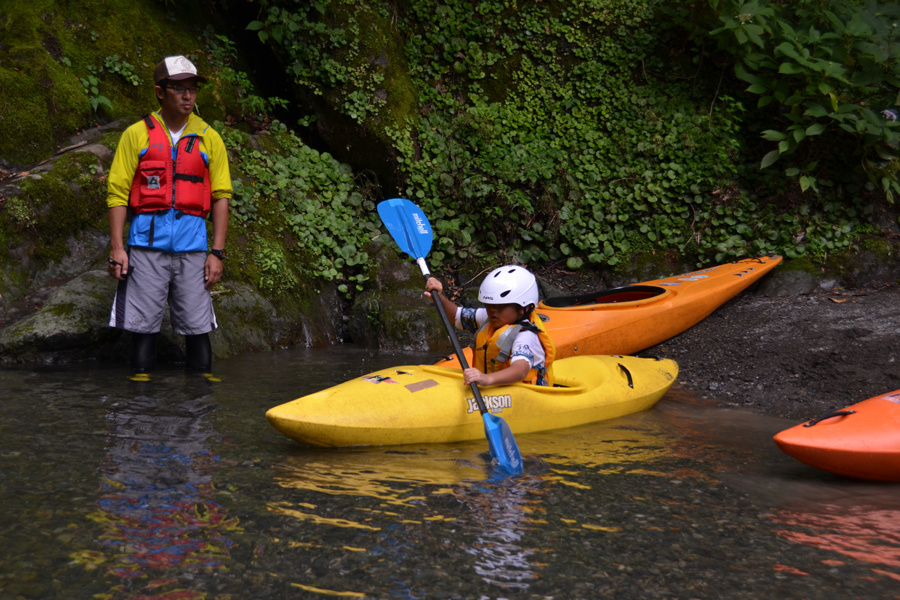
{"points": [[410, 228]]}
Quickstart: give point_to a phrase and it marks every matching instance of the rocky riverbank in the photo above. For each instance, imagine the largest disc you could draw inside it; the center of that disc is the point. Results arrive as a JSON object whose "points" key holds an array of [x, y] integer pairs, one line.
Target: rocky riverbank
{"points": [[796, 356]]}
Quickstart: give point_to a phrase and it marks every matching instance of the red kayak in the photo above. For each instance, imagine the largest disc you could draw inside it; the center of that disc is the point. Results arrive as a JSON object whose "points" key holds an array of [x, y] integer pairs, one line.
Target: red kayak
{"points": [[861, 441]]}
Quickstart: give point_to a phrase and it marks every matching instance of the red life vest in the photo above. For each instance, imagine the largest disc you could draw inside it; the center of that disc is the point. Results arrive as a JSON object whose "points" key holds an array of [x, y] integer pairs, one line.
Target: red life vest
{"points": [[157, 185]]}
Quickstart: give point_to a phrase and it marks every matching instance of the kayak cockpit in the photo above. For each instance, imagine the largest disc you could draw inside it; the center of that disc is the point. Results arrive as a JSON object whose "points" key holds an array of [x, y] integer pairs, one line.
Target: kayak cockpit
{"points": [[627, 295]]}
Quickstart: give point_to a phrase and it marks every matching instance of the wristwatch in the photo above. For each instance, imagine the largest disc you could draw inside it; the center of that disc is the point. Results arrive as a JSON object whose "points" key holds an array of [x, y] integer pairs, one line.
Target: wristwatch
{"points": [[220, 254]]}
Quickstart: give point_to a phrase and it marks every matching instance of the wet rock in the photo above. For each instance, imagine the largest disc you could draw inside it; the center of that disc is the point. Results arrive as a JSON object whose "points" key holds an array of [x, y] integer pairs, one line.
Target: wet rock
{"points": [[99, 150], [248, 321], [74, 319], [788, 283], [394, 315]]}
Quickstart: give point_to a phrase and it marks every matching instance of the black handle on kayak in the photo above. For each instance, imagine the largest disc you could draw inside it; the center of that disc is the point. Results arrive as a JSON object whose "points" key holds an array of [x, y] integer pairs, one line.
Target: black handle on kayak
{"points": [[839, 413], [450, 327], [628, 375]]}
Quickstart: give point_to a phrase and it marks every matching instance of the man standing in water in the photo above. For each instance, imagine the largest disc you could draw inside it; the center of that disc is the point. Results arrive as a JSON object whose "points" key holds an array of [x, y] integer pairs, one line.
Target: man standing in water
{"points": [[170, 171]]}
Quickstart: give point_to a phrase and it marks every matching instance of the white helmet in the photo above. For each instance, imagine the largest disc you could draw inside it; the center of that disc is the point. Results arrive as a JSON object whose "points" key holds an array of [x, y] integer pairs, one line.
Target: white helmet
{"points": [[510, 284]]}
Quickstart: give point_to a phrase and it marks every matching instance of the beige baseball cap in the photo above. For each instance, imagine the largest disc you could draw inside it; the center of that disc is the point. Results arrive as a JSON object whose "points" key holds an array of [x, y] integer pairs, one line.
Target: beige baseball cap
{"points": [[176, 68]]}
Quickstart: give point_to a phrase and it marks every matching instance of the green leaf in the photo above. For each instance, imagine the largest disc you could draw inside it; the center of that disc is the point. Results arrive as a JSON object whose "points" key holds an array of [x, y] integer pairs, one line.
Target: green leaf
{"points": [[791, 69], [753, 32], [574, 263], [757, 88], [764, 101], [792, 172], [799, 134], [784, 146], [773, 136], [743, 75], [815, 109], [815, 129], [255, 25], [883, 153], [804, 183], [769, 158]]}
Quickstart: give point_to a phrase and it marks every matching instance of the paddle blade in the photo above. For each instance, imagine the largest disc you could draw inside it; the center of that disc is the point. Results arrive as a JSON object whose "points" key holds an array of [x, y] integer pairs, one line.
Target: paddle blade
{"points": [[502, 443], [408, 225]]}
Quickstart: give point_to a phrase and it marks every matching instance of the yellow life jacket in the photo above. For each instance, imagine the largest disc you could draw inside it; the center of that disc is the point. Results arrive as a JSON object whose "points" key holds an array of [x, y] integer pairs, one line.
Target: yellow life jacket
{"points": [[493, 348]]}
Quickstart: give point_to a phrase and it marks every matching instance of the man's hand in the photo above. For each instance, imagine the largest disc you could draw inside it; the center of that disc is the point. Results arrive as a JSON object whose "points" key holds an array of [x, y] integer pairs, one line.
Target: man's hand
{"points": [[117, 266], [212, 271]]}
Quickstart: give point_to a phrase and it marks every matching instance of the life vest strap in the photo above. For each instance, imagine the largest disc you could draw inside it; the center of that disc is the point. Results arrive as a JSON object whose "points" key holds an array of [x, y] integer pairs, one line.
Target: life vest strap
{"points": [[506, 340], [190, 144], [191, 178], [149, 122]]}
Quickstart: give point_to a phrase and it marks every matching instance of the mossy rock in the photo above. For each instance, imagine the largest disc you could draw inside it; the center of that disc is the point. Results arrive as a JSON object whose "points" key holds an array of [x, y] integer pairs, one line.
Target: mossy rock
{"points": [[393, 314], [646, 266], [250, 322], [48, 46], [873, 262], [365, 142], [51, 207], [74, 323]]}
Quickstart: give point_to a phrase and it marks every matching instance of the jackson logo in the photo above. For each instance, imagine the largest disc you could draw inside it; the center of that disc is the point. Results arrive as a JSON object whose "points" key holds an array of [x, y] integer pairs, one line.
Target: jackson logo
{"points": [[895, 398], [152, 182], [495, 404], [157, 146]]}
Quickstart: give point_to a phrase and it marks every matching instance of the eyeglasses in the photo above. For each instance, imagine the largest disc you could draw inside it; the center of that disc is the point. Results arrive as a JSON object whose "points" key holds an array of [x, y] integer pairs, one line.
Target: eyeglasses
{"points": [[180, 90]]}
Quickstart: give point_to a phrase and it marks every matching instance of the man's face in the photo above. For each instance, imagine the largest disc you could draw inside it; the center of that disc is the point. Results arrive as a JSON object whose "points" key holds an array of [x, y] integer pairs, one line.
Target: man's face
{"points": [[178, 97]]}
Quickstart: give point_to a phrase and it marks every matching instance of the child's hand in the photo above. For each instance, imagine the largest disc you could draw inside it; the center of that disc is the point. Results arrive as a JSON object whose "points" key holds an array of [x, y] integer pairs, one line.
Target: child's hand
{"points": [[473, 375], [433, 284]]}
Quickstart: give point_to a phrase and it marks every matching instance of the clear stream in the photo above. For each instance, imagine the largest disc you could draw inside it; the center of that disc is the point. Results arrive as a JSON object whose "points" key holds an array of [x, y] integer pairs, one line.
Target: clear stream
{"points": [[179, 489]]}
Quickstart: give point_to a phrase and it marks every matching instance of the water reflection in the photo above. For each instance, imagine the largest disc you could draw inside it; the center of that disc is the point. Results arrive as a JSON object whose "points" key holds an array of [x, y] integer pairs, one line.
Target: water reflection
{"points": [[200, 498], [404, 496], [871, 535], [156, 508], [498, 521], [852, 519]]}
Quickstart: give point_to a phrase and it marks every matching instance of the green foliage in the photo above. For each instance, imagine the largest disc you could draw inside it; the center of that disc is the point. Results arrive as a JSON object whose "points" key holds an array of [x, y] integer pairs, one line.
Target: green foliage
{"points": [[20, 211], [310, 196], [123, 69], [223, 56], [326, 54], [830, 69], [91, 88], [572, 154], [553, 131]]}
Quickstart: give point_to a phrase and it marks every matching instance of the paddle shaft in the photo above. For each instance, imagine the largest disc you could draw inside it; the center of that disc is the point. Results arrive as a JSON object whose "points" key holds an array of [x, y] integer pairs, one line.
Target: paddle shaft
{"points": [[451, 331]]}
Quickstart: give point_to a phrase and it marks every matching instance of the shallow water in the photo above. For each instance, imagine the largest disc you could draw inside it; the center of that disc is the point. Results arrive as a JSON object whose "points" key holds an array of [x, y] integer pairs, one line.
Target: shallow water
{"points": [[179, 489]]}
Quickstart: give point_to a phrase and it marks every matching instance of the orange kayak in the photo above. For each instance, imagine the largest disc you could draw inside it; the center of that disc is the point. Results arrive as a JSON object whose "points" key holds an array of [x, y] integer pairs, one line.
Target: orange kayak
{"points": [[860, 441], [628, 319]]}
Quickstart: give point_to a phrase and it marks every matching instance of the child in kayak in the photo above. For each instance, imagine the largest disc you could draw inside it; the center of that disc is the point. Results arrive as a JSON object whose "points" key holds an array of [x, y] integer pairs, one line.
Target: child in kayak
{"points": [[511, 344]]}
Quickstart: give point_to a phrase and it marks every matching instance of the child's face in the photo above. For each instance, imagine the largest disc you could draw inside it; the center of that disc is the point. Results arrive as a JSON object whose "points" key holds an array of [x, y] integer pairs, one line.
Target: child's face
{"points": [[504, 314]]}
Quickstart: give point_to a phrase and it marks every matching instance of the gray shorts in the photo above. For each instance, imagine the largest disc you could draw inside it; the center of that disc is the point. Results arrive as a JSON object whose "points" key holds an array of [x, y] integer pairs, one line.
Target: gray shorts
{"points": [[155, 278]]}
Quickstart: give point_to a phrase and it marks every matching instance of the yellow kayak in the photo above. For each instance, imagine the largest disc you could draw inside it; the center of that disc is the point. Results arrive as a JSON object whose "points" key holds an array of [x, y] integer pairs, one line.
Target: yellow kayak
{"points": [[430, 404]]}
